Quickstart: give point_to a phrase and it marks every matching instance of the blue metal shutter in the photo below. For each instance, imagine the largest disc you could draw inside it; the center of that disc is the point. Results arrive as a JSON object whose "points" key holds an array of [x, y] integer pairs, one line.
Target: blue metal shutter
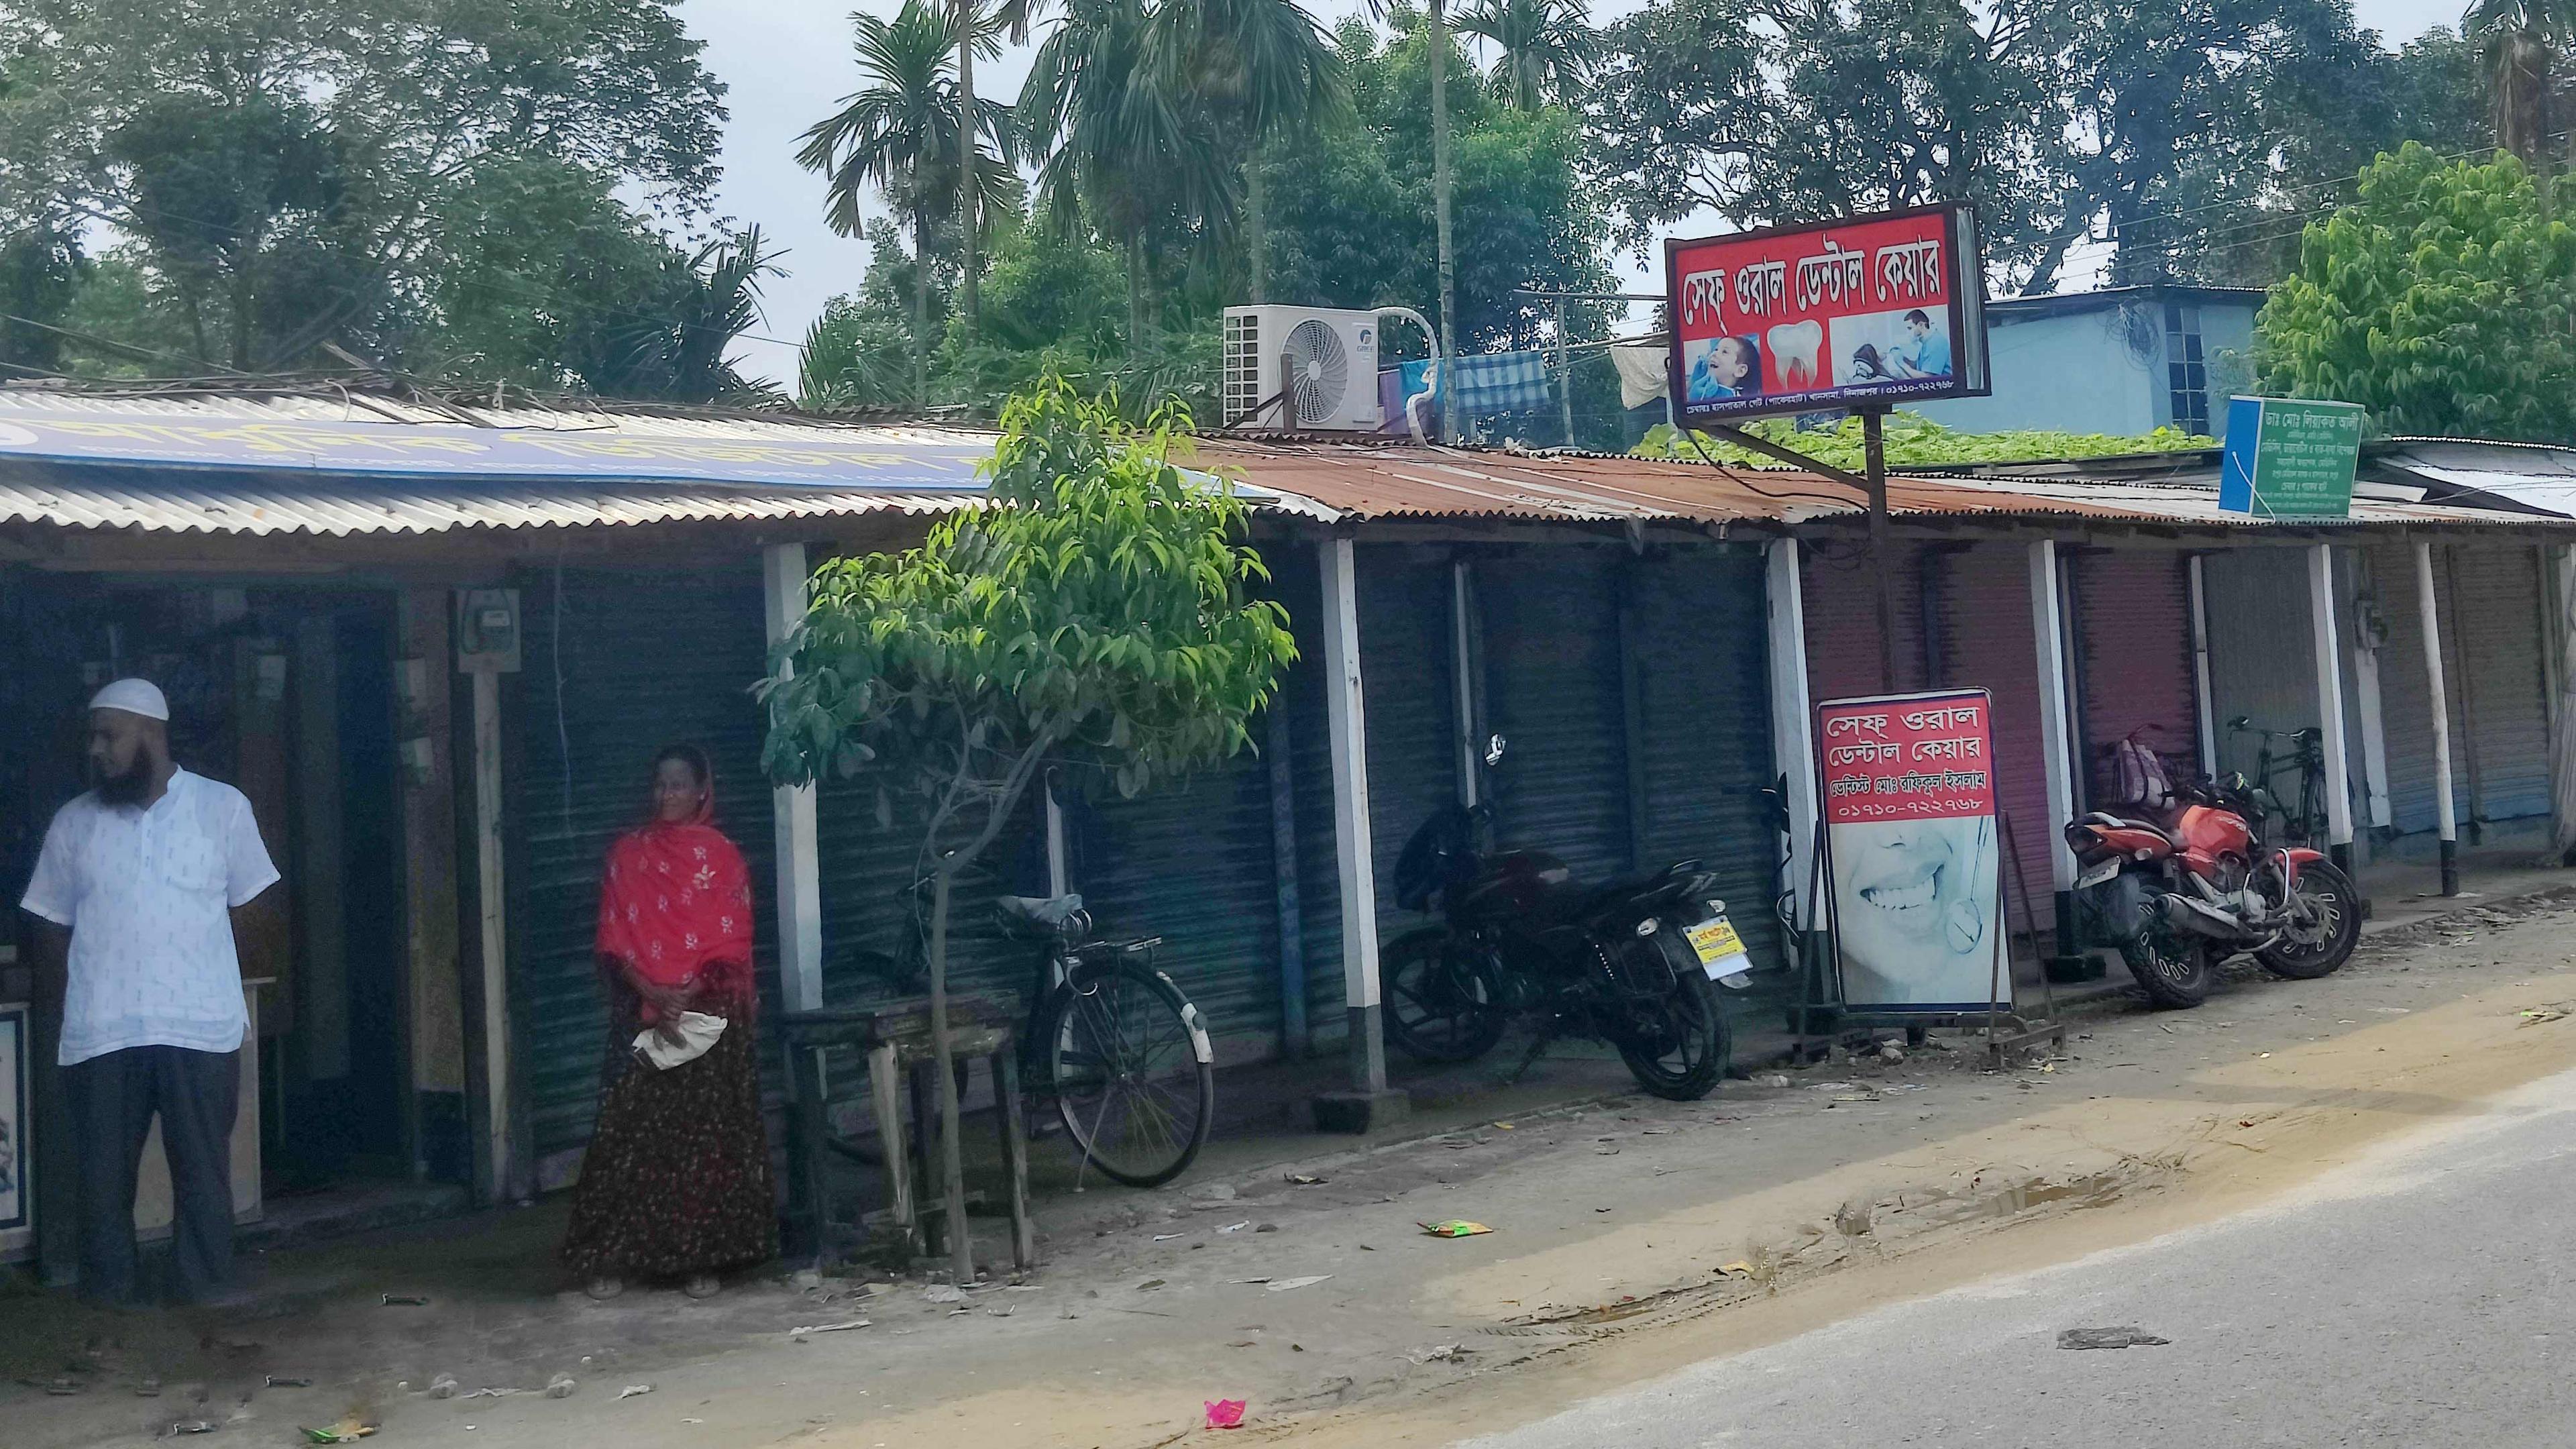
{"points": [[1191, 862], [1550, 621], [1406, 682], [616, 665], [1701, 637]]}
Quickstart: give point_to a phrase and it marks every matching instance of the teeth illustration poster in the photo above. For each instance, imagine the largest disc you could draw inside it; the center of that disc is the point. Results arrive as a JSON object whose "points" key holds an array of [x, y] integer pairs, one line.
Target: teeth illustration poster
{"points": [[1910, 841]]}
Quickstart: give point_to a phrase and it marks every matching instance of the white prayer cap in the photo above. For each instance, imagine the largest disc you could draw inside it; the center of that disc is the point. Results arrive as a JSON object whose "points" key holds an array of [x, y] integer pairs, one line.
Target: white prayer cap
{"points": [[134, 696]]}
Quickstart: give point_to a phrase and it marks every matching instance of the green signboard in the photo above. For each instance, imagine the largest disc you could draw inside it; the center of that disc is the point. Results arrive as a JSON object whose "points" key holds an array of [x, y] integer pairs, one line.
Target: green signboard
{"points": [[2288, 458]]}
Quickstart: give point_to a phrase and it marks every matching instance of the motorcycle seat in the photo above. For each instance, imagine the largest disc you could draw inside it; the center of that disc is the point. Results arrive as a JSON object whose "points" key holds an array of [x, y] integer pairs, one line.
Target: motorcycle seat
{"points": [[2115, 822]]}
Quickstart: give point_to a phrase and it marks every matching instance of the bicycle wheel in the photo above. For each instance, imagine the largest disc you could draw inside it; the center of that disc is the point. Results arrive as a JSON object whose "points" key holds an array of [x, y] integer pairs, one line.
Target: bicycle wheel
{"points": [[1132, 1074]]}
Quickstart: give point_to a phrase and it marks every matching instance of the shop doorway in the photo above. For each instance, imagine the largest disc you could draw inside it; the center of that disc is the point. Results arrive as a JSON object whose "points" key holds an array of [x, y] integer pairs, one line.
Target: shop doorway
{"points": [[287, 693]]}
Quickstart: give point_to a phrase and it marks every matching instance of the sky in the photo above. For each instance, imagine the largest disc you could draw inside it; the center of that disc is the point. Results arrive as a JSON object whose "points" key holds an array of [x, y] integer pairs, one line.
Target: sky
{"points": [[787, 64]]}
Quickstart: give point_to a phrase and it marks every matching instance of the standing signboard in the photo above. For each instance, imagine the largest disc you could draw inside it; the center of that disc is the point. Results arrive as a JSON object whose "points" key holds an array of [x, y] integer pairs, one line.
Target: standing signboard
{"points": [[16, 1199], [2290, 457], [1871, 310], [1911, 844]]}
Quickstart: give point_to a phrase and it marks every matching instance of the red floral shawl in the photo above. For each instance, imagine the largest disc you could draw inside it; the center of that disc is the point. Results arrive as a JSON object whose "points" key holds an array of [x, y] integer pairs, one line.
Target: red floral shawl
{"points": [[676, 908]]}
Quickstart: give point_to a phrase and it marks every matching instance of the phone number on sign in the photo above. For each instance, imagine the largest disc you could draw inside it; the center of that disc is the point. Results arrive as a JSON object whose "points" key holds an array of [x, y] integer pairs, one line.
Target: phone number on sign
{"points": [[1914, 808]]}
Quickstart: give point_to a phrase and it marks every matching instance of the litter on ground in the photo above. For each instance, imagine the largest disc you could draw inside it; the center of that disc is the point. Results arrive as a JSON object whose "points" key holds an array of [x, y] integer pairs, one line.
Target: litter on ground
{"points": [[1454, 1228]]}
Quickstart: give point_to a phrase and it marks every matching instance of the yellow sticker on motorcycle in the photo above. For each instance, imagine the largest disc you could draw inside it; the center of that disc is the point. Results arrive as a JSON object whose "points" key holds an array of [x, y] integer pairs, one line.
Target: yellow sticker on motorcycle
{"points": [[1715, 940]]}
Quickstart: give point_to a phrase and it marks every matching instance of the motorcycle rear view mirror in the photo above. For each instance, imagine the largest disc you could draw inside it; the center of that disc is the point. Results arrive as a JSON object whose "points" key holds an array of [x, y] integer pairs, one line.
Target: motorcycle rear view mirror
{"points": [[1494, 750]]}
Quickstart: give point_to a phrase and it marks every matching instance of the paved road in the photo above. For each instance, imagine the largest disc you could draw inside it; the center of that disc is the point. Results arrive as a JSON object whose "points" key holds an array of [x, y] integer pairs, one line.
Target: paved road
{"points": [[2422, 1298]]}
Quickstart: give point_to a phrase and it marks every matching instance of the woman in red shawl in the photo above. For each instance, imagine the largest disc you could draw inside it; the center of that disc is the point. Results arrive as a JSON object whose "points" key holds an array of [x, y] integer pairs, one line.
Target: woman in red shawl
{"points": [[676, 1182]]}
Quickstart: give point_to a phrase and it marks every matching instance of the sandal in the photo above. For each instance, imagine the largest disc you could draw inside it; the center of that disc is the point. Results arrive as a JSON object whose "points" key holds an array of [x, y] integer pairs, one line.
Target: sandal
{"points": [[605, 1288], [703, 1285]]}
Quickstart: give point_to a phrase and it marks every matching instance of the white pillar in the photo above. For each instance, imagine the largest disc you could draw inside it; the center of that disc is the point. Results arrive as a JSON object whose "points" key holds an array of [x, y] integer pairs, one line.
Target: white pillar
{"points": [[494, 925], [2321, 615], [794, 830], [1347, 720], [2200, 695], [2445, 817], [2374, 733], [1793, 741], [2056, 753], [1462, 665]]}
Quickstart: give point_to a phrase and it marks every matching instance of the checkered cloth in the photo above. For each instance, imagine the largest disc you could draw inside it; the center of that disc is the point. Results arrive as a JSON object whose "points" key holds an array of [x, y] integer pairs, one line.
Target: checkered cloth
{"points": [[1501, 382]]}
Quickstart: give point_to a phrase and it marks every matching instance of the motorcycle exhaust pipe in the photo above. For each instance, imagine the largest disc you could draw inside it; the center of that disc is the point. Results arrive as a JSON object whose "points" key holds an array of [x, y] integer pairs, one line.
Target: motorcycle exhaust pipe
{"points": [[2185, 914]]}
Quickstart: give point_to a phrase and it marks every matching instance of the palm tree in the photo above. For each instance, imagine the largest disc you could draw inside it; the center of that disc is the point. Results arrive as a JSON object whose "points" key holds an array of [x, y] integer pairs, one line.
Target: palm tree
{"points": [[1547, 48], [1126, 143], [2521, 39], [1263, 70], [904, 135]]}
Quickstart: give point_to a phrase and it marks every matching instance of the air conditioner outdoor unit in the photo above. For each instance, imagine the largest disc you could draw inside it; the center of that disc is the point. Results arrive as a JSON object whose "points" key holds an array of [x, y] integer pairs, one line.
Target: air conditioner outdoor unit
{"points": [[1301, 369]]}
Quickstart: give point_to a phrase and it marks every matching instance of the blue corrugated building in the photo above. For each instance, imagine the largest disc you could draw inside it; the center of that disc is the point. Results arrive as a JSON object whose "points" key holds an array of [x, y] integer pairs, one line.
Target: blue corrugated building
{"points": [[2122, 361]]}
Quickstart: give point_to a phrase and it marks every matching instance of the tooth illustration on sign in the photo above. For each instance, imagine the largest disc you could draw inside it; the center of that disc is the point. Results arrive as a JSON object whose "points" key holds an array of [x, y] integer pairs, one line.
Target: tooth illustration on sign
{"points": [[1794, 346]]}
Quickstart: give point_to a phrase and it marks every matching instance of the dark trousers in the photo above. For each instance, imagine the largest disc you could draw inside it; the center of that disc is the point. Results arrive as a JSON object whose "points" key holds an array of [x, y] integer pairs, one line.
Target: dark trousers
{"points": [[113, 1099]]}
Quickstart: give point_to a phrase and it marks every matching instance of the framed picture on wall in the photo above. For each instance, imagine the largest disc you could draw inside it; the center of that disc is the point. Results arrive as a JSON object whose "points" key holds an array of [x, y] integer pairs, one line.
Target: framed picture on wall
{"points": [[16, 1201]]}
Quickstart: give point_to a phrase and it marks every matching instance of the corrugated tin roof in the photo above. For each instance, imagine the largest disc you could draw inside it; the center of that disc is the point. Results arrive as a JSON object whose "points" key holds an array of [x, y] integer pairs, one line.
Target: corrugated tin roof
{"points": [[1365, 481], [241, 502]]}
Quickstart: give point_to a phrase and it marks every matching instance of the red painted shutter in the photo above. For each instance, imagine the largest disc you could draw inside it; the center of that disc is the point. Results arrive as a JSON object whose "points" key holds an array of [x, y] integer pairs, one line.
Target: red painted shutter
{"points": [[1988, 642], [2133, 630]]}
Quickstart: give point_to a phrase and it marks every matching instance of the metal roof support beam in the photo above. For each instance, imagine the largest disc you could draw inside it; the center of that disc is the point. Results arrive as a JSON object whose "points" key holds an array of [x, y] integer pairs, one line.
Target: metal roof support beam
{"points": [[2445, 817], [1793, 742], [2367, 708], [796, 831], [2321, 615]]}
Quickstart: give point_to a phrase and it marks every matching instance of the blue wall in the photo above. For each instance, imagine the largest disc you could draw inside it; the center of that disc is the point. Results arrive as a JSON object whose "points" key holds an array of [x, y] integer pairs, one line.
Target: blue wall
{"points": [[2101, 370]]}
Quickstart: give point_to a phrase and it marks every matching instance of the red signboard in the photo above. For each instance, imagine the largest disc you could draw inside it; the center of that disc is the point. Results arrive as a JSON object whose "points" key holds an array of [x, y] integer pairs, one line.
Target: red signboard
{"points": [[1912, 757], [1879, 309]]}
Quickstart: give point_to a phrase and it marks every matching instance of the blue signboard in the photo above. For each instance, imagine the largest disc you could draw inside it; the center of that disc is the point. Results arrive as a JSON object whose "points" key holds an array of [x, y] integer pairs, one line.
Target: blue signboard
{"points": [[897, 459]]}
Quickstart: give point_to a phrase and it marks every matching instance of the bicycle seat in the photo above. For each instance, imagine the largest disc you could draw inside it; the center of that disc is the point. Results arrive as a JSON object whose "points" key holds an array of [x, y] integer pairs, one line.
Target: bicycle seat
{"points": [[1045, 915]]}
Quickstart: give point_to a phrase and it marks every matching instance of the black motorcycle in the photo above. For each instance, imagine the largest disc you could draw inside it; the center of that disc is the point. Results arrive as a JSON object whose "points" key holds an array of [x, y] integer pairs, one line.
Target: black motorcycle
{"points": [[1635, 963]]}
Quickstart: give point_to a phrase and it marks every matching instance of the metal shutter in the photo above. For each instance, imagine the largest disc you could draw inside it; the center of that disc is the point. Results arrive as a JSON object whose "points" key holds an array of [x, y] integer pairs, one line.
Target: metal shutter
{"points": [[2262, 649], [2405, 697], [1989, 642], [1841, 602], [1191, 862], [2492, 599], [1551, 654], [1702, 657], [1405, 679], [617, 665], [2132, 625]]}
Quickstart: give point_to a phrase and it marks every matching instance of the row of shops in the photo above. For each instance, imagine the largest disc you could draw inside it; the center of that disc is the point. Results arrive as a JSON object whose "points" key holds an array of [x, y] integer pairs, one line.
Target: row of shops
{"points": [[438, 647]]}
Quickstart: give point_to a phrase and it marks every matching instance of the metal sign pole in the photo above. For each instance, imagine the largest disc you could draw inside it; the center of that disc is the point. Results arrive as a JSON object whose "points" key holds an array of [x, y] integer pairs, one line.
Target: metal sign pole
{"points": [[1882, 553]]}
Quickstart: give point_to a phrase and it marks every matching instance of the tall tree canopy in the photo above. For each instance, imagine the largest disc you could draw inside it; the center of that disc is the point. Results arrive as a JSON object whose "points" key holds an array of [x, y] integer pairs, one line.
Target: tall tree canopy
{"points": [[281, 173], [2442, 300]]}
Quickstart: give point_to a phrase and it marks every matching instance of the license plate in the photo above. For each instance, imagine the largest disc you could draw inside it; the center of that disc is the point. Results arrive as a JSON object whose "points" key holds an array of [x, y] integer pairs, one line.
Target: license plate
{"points": [[1719, 948], [2098, 872]]}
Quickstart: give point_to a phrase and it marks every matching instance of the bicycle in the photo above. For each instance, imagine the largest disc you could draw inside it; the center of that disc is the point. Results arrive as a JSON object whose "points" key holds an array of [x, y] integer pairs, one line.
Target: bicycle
{"points": [[2307, 756], [1112, 1042]]}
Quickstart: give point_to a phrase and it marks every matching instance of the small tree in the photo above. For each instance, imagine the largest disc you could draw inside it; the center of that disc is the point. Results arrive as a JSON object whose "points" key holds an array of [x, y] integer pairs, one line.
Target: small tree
{"points": [[1098, 611], [2440, 300]]}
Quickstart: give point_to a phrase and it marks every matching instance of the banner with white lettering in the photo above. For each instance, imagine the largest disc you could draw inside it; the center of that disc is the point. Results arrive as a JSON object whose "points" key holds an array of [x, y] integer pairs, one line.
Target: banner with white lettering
{"points": [[1874, 309], [1910, 840]]}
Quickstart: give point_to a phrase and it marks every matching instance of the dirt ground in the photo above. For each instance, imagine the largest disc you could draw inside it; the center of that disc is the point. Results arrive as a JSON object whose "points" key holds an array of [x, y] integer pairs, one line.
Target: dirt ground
{"points": [[1629, 1237]]}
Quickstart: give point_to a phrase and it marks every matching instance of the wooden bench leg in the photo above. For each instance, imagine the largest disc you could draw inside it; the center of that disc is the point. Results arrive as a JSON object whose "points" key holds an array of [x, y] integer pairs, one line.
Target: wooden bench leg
{"points": [[930, 1227], [885, 1092], [810, 1154], [1015, 1156]]}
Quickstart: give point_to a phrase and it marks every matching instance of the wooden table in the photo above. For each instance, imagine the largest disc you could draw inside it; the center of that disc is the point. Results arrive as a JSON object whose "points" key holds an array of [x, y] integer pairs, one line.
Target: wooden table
{"points": [[895, 1038]]}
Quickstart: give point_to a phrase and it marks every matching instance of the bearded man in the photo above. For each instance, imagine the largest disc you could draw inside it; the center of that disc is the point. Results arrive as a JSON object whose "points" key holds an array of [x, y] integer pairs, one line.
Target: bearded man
{"points": [[136, 894]]}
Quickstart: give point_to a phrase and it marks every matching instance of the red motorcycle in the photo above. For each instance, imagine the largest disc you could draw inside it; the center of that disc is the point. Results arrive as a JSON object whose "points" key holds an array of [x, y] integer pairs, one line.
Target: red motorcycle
{"points": [[2181, 893]]}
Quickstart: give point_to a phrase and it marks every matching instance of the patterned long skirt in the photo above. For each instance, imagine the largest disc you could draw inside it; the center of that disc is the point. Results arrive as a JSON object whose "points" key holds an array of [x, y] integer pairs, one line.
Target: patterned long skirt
{"points": [[677, 1181]]}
